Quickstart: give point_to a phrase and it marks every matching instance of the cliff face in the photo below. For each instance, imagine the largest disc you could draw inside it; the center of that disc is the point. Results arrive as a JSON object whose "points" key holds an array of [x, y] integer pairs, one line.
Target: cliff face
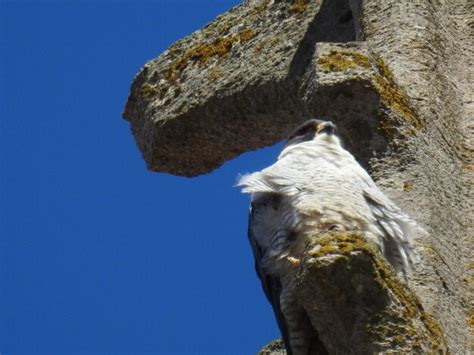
{"points": [[395, 76]]}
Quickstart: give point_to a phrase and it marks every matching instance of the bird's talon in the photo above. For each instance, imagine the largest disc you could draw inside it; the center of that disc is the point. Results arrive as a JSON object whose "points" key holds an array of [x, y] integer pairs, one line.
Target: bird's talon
{"points": [[294, 261]]}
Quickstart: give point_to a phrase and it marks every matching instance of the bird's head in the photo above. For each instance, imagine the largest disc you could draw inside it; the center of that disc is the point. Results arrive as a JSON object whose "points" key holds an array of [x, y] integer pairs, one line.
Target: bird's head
{"points": [[314, 130]]}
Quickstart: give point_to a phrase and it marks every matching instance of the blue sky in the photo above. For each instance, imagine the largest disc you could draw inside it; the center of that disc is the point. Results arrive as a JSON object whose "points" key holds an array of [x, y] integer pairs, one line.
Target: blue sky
{"points": [[96, 253]]}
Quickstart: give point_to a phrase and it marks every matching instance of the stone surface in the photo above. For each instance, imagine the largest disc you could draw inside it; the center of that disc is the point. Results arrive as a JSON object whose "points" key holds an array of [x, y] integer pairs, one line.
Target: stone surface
{"points": [[395, 76], [276, 347], [357, 304], [229, 87]]}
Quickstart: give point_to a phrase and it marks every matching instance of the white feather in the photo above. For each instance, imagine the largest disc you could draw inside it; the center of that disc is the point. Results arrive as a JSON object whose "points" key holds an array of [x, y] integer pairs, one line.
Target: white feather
{"points": [[322, 184]]}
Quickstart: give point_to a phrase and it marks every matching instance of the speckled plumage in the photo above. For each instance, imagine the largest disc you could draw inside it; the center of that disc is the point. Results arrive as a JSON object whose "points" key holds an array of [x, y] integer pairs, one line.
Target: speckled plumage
{"points": [[316, 185]]}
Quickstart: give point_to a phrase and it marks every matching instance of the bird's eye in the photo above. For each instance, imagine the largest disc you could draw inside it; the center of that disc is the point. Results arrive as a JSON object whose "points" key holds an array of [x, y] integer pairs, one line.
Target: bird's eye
{"points": [[302, 131]]}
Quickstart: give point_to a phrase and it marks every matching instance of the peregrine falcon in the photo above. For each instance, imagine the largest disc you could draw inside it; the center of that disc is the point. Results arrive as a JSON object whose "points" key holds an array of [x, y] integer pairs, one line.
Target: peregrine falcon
{"points": [[315, 185]]}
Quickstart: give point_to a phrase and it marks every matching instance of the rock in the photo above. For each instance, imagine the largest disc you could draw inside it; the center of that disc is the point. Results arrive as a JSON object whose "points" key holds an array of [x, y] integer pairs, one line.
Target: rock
{"points": [[395, 76], [366, 310], [240, 70], [276, 347]]}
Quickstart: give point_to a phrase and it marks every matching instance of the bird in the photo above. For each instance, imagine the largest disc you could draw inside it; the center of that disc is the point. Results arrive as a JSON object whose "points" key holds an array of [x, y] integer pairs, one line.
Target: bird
{"points": [[316, 185]]}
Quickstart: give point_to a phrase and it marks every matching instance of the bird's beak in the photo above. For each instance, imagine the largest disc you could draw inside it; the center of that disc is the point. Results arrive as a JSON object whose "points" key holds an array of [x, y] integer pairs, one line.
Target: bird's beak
{"points": [[326, 127]]}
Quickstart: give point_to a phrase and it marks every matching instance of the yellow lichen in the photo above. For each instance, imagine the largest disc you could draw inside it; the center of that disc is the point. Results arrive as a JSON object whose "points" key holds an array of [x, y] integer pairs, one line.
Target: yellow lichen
{"points": [[276, 346], [384, 69], [203, 52], [215, 74], [390, 94], [267, 43], [412, 306], [340, 60], [258, 8], [387, 125], [259, 46], [341, 243], [470, 323], [275, 40], [346, 243], [149, 91], [299, 6], [245, 35], [407, 186], [223, 27], [393, 96]]}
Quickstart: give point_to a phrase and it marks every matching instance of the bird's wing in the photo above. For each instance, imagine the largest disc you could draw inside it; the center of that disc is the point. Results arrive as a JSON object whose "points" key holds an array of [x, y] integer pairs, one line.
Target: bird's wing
{"points": [[270, 283], [397, 228]]}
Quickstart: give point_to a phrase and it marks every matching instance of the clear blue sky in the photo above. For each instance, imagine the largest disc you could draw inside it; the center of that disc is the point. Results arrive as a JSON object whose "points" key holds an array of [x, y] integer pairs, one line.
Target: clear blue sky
{"points": [[96, 253]]}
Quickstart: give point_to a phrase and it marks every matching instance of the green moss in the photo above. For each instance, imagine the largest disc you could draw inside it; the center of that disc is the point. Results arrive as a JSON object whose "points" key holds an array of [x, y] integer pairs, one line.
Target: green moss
{"points": [[393, 96], [203, 52], [340, 60]]}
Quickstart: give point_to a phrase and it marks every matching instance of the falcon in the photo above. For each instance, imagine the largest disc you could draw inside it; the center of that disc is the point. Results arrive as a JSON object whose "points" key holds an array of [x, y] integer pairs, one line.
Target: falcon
{"points": [[314, 186]]}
